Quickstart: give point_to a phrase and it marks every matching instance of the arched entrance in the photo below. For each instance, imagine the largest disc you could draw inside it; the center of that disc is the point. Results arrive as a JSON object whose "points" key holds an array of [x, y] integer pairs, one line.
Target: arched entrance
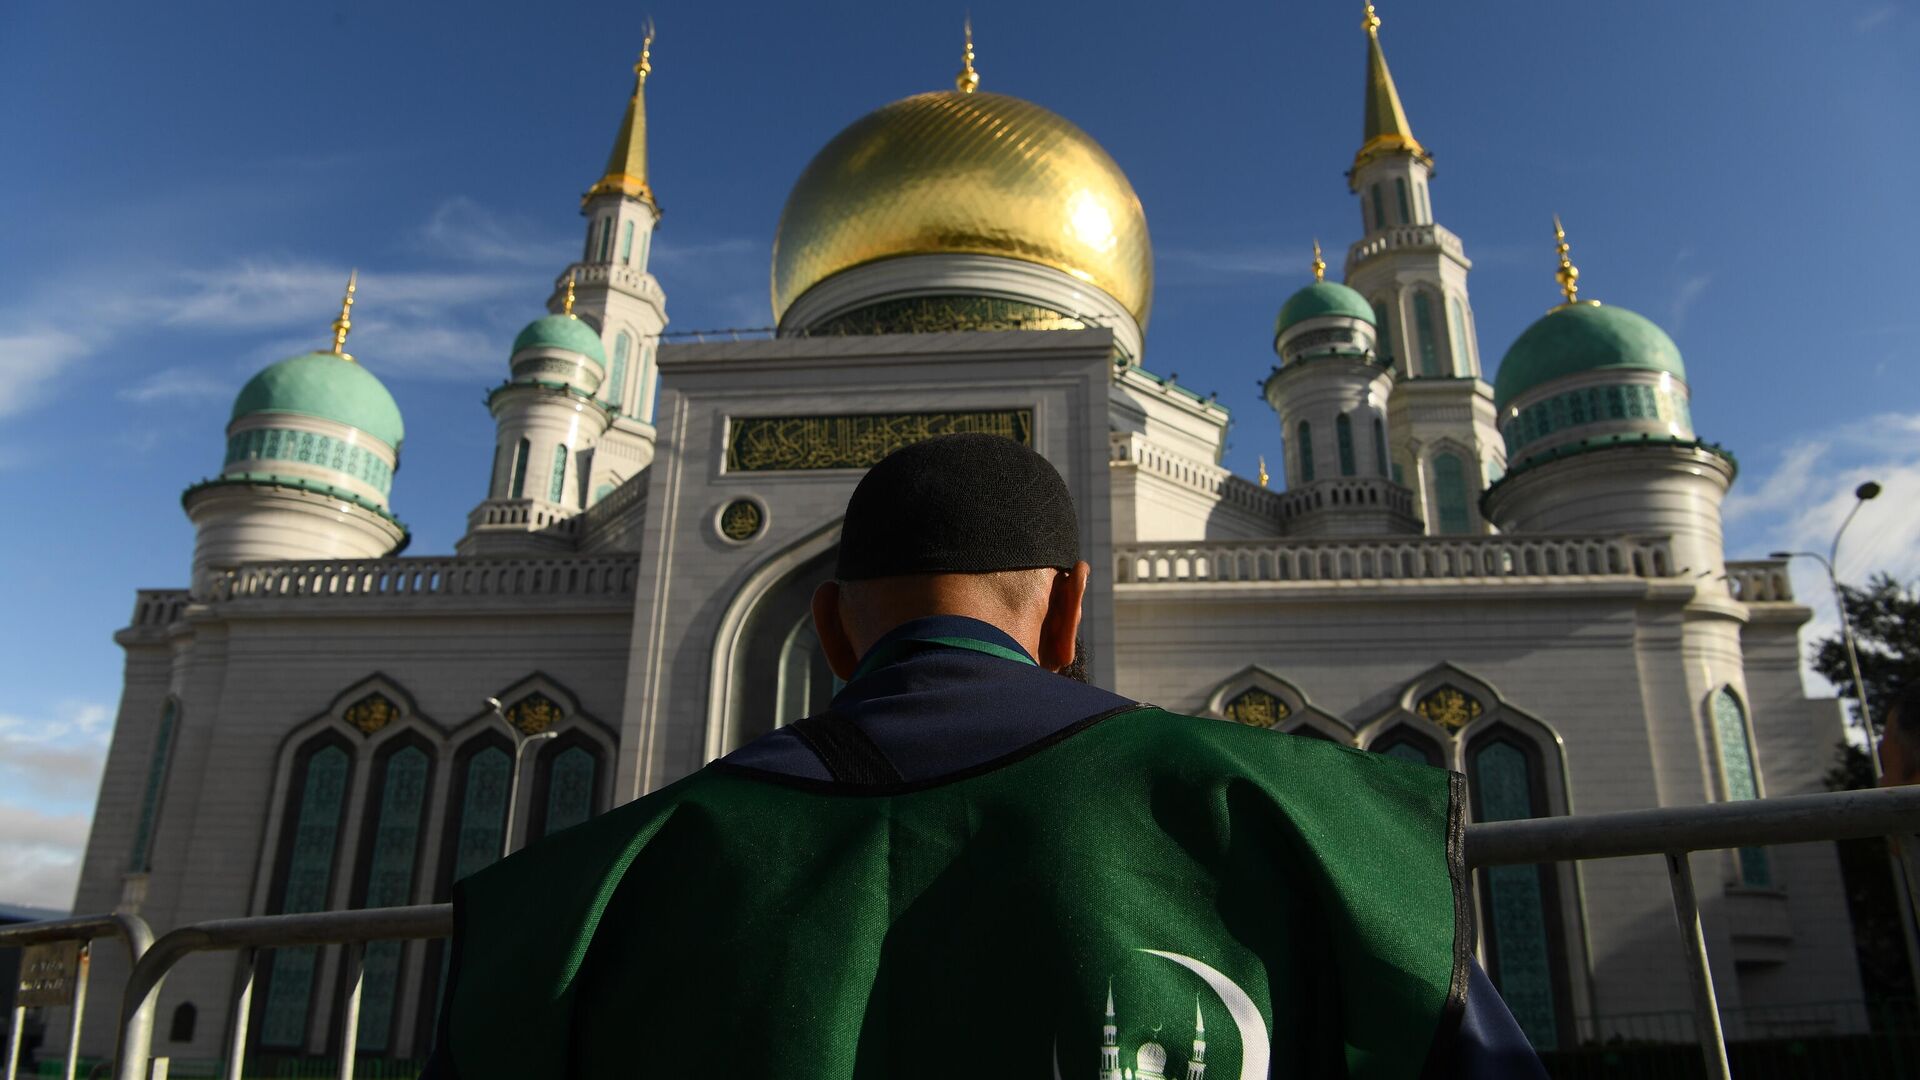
{"points": [[768, 669]]}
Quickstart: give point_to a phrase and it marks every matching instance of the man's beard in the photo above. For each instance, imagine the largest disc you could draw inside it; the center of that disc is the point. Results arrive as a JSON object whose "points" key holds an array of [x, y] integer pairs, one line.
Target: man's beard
{"points": [[1077, 670]]}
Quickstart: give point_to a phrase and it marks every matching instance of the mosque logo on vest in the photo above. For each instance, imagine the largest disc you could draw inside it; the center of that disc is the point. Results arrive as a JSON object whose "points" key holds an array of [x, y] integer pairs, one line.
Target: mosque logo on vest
{"points": [[1148, 997]]}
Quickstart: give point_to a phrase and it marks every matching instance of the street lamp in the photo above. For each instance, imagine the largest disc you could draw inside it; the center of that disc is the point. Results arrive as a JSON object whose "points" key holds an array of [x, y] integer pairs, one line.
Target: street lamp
{"points": [[1861, 494], [520, 743]]}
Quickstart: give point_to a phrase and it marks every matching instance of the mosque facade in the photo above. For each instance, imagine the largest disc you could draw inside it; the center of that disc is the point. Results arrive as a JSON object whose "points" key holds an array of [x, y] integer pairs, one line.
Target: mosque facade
{"points": [[1520, 579]]}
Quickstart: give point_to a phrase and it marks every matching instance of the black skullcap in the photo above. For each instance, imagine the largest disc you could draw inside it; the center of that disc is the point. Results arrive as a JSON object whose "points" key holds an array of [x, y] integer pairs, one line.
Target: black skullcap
{"points": [[958, 504]]}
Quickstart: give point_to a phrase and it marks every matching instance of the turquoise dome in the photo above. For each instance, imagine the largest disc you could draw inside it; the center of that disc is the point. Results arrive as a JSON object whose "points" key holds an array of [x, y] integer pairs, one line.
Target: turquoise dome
{"points": [[1584, 337], [1323, 298], [328, 386], [562, 332]]}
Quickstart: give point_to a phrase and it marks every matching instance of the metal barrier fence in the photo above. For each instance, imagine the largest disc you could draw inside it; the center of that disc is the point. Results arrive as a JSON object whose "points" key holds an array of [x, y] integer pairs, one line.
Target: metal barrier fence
{"points": [[1671, 832]]}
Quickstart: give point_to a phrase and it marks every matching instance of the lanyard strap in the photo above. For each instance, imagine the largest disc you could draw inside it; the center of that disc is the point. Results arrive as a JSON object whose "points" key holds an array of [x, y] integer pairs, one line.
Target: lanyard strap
{"points": [[899, 648]]}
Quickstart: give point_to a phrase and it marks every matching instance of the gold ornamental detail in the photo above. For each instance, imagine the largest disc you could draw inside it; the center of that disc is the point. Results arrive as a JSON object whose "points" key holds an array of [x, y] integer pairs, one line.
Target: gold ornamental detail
{"points": [[1256, 708], [534, 714], [371, 713], [780, 443], [741, 520], [1450, 707]]}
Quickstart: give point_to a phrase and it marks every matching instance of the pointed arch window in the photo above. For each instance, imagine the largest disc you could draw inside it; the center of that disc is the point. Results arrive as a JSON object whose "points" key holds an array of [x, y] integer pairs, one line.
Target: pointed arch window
{"points": [[1457, 323], [1450, 492], [605, 247], [396, 816], [1380, 445], [646, 248], [1409, 745], [1343, 439], [566, 785], [1384, 342], [1742, 778], [1406, 211], [1524, 939], [617, 380], [520, 454], [142, 858], [626, 242], [1304, 436], [1423, 334], [313, 818], [557, 485], [472, 839], [1379, 209]]}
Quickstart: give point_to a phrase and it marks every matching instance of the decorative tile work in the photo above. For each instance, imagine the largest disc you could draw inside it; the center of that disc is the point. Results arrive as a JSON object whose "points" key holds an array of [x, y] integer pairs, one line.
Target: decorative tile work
{"points": [[371, 713], [1450, 707], [309, 877], [1256, 708], [325, 451], [1523, 962], [396, 844]]}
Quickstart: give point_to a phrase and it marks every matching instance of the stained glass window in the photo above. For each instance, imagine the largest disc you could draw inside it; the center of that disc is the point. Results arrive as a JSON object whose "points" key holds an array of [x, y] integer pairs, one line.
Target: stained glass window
{"points": [[402, 793], [617, 381], [142, 860], [1343, 438], [483, 811], [1423, 332], [307, 865], [570, 782], [557, 486], [1450, 491], [1304, 437], [1516, 899], [1408, 746], [1736, 763]]}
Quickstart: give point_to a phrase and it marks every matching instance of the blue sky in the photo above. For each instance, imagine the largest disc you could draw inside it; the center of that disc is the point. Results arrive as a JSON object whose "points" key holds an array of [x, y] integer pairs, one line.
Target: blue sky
{"points": [[186, 186]]}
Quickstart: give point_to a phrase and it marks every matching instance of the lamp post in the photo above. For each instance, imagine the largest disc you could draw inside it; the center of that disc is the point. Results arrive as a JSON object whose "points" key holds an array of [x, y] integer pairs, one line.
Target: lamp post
{"points": [[520, 743], [1861, 494]]}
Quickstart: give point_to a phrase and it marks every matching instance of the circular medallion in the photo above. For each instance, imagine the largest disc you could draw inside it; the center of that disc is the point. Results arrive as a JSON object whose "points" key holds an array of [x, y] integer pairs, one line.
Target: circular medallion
{"points": [[741, 520]]}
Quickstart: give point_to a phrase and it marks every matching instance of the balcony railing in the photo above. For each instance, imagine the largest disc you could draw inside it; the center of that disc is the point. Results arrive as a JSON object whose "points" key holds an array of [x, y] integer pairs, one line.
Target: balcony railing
{"points": [[609, 577], [1760, 581], [1672, 832], [1393, 559]]}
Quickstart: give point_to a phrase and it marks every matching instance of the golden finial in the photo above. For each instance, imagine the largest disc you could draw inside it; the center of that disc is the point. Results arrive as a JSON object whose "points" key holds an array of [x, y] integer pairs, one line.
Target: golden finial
{"points": [[968, 80], [1319, 264], [343, 324], [644, 66], [1263, 470], [1371, 24], [566, 305], [1568, 275]]}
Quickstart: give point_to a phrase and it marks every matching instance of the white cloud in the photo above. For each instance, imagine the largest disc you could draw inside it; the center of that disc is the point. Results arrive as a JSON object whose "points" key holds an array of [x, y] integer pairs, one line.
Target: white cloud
{"points": [[177, 384], [1684, 297], [1804, 499], [30, 361], [40, 856], [463, 229], [1873, 17]]}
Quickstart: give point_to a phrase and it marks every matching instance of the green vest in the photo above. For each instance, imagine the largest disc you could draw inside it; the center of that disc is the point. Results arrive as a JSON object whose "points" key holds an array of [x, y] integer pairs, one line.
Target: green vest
{"points": [[1148, 895]]}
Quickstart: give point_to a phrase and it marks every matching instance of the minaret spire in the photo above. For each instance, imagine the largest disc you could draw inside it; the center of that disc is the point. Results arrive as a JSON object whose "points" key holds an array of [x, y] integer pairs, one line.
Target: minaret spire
{"points": [[627, 166], [343, 324], [566, 305], [968, 80], [1568, 275], [1385, 130]]}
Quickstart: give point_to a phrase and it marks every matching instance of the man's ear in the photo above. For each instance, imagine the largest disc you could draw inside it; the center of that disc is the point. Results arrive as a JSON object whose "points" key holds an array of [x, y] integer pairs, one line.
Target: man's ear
{"points": [[1061, 628], [834, 639]]}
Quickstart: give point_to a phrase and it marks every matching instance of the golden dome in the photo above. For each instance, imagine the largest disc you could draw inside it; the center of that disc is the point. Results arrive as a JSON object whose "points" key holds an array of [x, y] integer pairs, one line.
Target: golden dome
{"points": [[965, 173]]}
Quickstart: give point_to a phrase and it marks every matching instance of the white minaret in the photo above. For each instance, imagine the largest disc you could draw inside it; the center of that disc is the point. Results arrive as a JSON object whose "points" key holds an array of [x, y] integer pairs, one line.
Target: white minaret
{"points": [[1413, 273], [311, 452], [617, 296], [1332, 392], [1110, 1043], [1197, 1064], [549, 420]]}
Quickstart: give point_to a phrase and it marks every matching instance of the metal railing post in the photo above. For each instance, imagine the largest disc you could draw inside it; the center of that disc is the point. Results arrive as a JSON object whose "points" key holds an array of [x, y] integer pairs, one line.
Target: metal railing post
{"points": [[13, 1041], [1706, 1012], [242, 1012], [79, 1007], [354, 968]]}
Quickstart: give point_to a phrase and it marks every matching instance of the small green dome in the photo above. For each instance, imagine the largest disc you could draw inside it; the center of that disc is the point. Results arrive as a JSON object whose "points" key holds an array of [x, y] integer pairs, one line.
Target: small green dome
{"points": [[328, 386], [562, 332], [1323, 298], [1583, 337]]}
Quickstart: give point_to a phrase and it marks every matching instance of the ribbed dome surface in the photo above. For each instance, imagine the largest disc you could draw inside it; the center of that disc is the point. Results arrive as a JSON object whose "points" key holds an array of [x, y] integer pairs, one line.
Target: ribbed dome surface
{"points": [[953, 173]]}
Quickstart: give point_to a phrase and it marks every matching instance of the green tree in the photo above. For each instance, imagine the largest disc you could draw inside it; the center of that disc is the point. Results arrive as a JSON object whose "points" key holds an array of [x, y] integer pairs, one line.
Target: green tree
{"points": [[1886, 630]]}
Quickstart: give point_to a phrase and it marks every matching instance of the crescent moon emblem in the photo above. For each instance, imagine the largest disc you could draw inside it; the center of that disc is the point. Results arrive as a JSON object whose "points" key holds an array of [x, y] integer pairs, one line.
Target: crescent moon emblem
{"points": [[1255, 1052]]}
